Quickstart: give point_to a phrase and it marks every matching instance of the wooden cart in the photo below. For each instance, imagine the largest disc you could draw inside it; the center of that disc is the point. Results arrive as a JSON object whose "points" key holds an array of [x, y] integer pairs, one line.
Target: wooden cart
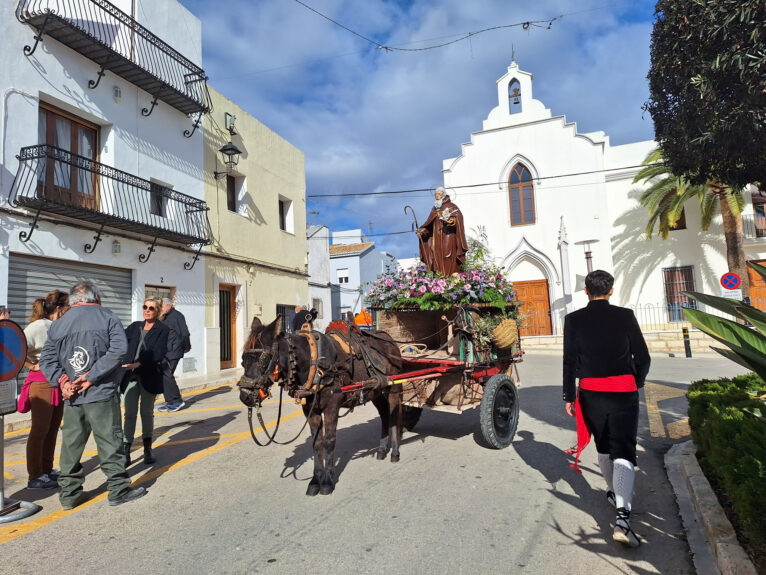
{"points": [[444, 370]]}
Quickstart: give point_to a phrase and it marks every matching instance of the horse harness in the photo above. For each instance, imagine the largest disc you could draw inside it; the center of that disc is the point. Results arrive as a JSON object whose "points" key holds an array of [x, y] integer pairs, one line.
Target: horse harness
{"points": [[321, 372]]}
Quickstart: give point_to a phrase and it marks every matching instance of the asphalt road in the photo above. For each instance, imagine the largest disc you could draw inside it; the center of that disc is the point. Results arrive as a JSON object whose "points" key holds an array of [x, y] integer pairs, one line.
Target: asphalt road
{"points": [[219, 504]]}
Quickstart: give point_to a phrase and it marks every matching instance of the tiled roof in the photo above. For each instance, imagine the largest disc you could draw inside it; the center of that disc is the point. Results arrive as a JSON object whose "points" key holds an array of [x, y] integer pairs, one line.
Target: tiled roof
{"points": [[349, 249]]}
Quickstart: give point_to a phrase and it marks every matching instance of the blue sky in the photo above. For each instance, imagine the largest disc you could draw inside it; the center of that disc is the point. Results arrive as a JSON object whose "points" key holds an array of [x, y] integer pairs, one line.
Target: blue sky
{"points": [[372, 120]]}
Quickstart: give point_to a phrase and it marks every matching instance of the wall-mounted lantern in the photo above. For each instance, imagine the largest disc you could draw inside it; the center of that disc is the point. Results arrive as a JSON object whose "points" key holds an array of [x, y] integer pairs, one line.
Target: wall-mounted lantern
{"points": [[230, 154], [228, 121]]}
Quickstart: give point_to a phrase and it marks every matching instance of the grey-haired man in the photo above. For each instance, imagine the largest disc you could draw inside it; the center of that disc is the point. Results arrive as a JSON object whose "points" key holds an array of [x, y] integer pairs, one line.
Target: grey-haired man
{"points": [[179, 343], [82, 356]]}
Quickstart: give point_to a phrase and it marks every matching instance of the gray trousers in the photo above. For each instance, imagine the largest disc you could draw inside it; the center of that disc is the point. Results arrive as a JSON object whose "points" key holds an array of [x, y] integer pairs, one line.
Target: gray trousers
{"points": [[135, 393], [169, 386], [103, 419]]}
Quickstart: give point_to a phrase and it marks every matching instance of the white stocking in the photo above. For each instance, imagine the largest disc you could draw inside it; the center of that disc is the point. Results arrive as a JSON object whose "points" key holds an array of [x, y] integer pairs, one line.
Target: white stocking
{"points": [[605, 463], [623, 477]]}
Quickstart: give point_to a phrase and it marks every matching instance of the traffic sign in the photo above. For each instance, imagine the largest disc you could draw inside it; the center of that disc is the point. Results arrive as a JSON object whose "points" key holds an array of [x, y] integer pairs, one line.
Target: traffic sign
{"points": [[13, 349], [730, 280]]}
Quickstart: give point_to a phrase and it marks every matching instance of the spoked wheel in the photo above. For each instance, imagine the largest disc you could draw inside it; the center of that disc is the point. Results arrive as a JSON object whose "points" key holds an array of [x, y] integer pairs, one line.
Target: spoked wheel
{"points": [[499, 411], [410, 416]]}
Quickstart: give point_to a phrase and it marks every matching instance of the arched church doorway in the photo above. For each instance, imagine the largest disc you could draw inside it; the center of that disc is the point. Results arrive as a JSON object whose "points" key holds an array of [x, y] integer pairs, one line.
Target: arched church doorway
{"points": [[531, 284], [536, 308]]}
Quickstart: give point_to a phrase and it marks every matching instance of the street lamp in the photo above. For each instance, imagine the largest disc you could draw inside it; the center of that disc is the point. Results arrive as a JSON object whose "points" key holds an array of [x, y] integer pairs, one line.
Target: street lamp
{"points": [[586, 246], [230, 153]]}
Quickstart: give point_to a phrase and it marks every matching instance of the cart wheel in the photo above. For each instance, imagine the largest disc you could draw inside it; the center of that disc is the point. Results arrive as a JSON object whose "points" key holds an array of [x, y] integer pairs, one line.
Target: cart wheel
{"points": [[499, 411], [410, 416]]}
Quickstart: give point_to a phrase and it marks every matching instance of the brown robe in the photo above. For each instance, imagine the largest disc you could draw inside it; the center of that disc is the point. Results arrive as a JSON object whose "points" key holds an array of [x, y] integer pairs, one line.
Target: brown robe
{"points": [[443, 244]]}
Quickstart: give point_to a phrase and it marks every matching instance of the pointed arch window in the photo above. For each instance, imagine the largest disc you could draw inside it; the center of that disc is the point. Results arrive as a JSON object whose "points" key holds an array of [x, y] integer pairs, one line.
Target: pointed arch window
{"points": [[522, 196]]}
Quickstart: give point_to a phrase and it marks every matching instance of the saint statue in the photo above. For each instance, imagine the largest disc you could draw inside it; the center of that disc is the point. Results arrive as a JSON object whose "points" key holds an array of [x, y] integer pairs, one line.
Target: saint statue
{"points": [[442, 237]]}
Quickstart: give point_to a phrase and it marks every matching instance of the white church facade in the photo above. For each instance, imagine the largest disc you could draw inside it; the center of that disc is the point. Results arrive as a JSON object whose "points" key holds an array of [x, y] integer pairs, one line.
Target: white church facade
{"points": [[556, 193]]}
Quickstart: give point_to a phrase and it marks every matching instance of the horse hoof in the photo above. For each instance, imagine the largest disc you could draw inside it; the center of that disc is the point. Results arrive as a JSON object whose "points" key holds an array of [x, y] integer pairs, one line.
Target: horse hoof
{"points": [[313, 489], [394, 458], [326, 489], [381, 455]]}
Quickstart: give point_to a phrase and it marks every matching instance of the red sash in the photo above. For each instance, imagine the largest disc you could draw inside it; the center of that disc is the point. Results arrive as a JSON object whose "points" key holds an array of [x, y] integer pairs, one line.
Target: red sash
{"points": [[612, 383]]}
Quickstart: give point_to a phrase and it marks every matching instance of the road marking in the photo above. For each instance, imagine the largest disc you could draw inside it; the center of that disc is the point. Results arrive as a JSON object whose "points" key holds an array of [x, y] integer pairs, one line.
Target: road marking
{"points": [[9, 533], [655, 393], [679, 429]]}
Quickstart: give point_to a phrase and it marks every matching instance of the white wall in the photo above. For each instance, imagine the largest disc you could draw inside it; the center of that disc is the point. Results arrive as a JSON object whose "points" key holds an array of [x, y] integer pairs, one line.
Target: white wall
{"points": [[148, 147]]}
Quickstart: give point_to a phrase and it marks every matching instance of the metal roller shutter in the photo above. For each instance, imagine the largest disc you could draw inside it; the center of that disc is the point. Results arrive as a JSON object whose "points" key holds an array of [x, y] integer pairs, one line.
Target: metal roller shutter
{"points": [[30, 277]]}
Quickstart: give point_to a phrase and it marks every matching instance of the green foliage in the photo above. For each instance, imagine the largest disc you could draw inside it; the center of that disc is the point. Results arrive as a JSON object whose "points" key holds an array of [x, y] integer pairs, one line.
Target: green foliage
{"points": [[746, 340], [731, 443], [707, 87], [482, 329]]}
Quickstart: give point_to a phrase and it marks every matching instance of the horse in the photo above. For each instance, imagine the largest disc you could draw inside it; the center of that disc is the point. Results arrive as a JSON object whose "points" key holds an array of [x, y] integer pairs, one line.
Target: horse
{"points": [[313, 367]]}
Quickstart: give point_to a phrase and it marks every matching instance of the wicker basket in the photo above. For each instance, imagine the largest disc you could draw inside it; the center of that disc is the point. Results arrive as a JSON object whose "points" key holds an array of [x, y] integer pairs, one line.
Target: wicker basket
{"points": [[506, 335]]}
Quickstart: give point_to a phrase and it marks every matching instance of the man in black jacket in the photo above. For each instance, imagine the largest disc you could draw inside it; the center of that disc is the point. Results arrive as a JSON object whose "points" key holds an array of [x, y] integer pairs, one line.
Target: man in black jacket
{"points": [[179, 343], [604, 348]]}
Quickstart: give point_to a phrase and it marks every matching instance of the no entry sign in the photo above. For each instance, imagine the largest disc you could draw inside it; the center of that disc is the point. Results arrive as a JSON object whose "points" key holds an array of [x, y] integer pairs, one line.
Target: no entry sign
{"points": [[730, 280], [13, 349]]}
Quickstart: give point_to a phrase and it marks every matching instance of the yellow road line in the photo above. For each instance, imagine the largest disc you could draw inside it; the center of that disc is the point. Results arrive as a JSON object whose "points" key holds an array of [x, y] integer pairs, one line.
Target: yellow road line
{"points": [[9, 533]]}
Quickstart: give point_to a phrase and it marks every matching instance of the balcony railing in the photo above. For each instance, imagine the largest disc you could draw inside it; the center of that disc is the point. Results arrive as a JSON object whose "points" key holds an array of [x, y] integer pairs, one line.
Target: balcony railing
{"points": [[101, 32], [53, 180], [753, 226]]}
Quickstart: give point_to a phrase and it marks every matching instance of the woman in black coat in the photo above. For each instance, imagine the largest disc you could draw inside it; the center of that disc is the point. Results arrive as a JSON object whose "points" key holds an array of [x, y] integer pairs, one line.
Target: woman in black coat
{"points": [[147, 346]]}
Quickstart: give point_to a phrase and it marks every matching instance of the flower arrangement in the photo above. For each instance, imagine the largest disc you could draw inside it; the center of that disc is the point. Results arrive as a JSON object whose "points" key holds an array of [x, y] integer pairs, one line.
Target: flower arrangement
{"points": [[419, 288]]}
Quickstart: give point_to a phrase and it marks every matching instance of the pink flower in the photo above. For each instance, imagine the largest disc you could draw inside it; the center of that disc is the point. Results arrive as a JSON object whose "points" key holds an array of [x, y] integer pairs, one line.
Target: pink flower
{"points": [[422, 289]]}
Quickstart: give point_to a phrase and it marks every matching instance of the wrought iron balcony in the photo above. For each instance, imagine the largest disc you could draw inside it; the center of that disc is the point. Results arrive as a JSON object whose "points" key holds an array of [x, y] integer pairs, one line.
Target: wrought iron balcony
{"points": [[101, 32], [52, 180]]}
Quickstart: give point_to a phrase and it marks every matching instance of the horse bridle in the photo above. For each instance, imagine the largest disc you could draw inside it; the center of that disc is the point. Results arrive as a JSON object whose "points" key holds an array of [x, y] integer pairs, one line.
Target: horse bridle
{"points": [[269, 359]]}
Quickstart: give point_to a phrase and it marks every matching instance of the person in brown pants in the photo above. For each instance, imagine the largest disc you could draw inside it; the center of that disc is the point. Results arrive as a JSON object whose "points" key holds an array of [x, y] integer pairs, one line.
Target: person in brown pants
{"points": [[47, 407]]}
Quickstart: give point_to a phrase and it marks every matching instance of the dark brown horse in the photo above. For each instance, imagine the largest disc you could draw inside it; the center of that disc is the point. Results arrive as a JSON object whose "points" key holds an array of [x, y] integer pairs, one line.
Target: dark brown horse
{"points": [[272, 356]]}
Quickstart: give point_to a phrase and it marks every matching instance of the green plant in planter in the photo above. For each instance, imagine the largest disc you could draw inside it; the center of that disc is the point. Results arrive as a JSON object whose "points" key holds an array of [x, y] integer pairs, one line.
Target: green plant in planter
{"points": [[482, 329]]}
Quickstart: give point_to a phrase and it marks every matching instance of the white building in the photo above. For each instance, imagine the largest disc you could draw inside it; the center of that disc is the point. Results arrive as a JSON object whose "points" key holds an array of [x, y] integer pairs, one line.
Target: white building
{"points": [[552, 190], [355, 263], [319, 274], [102, 156]]}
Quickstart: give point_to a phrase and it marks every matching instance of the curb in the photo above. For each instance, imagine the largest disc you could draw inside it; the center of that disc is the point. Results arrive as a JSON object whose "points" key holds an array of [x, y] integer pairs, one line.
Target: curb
{"points": [[711, 536], [24, 420]]}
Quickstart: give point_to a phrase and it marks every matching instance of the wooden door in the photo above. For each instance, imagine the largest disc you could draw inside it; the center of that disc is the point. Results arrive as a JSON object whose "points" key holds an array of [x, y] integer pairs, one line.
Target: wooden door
{"points": [[757, 286], [227, 316], [536, 308]]}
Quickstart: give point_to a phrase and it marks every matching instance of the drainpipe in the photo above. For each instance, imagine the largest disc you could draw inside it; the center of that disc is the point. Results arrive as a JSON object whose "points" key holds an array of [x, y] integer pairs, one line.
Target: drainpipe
{"points": [[564, 254]]}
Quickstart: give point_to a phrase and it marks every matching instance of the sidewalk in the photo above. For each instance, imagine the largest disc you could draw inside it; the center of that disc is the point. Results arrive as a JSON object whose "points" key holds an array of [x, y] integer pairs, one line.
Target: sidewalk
{"points": [[710, 535], [16, 421]]}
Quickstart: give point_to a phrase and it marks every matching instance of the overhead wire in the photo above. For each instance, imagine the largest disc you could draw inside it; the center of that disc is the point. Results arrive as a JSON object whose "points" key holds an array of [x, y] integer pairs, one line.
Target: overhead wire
{"points": [[420, 190]]}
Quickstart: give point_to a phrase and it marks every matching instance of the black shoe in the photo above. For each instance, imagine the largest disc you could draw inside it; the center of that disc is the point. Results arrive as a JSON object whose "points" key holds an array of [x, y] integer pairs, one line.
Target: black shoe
{"points": [[622, 530], [131, 494], [148, 457]]}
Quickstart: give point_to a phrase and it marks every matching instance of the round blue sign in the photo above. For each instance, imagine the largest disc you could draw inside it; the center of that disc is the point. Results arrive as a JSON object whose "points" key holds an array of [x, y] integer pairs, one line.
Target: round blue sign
{"points": [[13, 349], [730, 280]]}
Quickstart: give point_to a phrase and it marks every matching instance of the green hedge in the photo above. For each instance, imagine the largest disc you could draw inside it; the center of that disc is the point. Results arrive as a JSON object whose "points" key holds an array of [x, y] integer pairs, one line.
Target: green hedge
{"points": [[732, 445]]}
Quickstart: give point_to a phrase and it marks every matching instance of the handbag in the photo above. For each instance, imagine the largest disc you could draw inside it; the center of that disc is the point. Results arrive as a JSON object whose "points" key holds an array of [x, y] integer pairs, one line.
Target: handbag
{"points": [[23, 404]]}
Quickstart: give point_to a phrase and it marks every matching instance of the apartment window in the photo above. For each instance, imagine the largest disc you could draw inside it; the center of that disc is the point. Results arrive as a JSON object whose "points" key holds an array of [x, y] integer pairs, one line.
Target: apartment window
{"points": [[759, 215], [160, 292], [231, 193], [678, 280], [158, 199], [522, 196], [316, 303], [286, 215], [287, 312], [343, 275], [71, 179]]}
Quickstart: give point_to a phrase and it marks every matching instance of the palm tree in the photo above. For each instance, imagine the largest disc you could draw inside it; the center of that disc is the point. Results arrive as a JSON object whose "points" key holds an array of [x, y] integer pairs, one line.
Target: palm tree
{"points": [[665, 199]]}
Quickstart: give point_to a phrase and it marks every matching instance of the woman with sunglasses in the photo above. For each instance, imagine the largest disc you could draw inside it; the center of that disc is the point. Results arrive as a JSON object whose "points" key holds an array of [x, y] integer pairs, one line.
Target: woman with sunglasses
{"points": [[147, 345]]}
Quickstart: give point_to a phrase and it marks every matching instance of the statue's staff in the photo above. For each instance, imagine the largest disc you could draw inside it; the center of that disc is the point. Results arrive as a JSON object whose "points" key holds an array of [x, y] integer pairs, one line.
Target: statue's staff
{"points": [[423, 248]]}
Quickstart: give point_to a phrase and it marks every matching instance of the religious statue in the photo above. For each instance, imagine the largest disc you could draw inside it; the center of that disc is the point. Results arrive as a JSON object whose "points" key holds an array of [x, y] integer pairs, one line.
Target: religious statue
{"points": [[442, 237]]}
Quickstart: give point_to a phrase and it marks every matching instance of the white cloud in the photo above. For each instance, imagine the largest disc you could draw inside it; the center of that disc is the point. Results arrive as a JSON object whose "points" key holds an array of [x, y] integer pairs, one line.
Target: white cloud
{"points": [[376, 120]]}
